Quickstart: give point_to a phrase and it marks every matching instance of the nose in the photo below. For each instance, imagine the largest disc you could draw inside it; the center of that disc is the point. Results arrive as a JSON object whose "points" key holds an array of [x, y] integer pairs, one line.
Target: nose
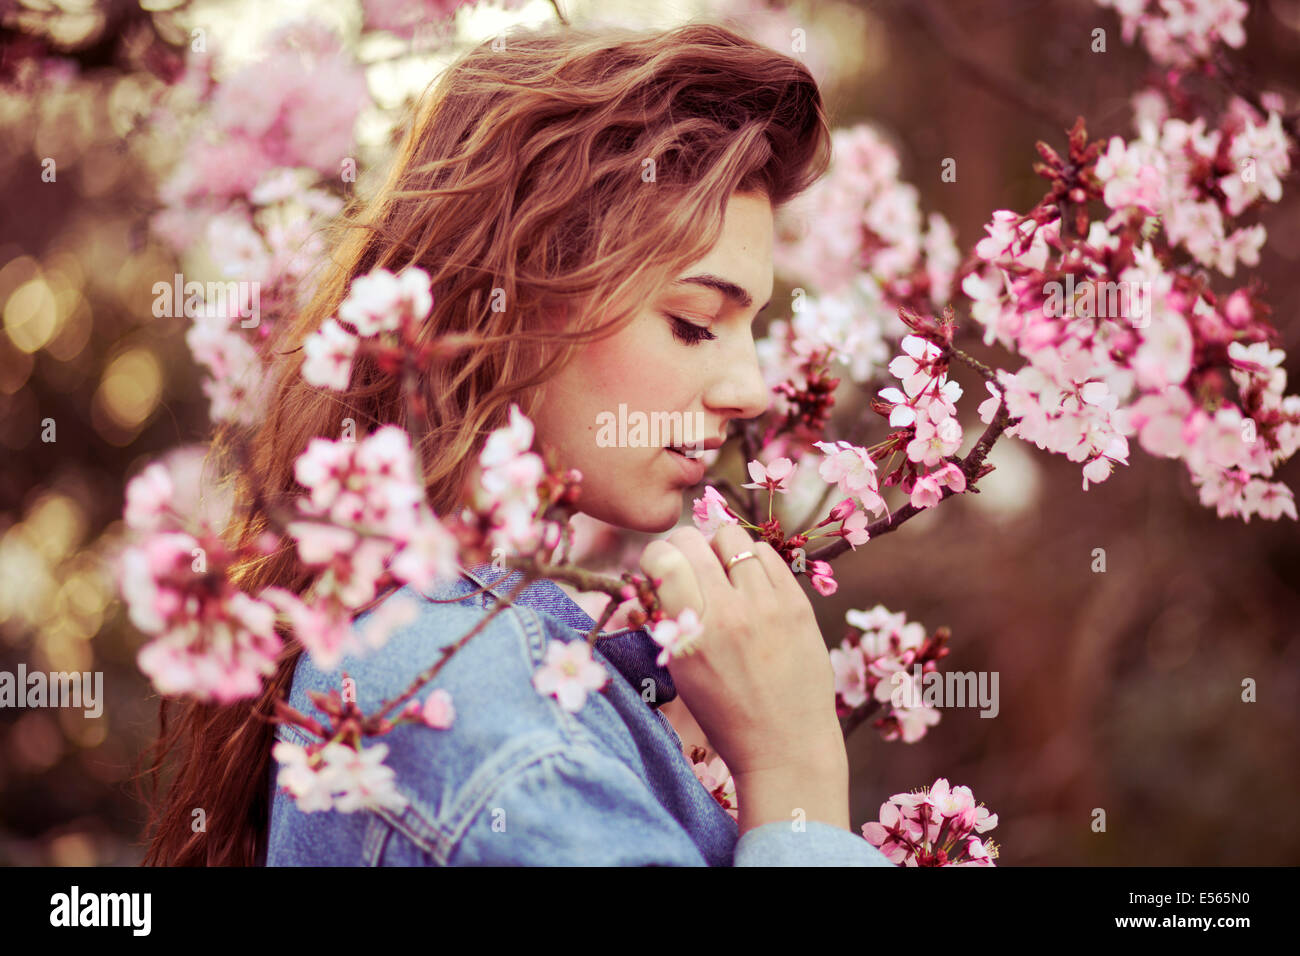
{"points": [[739, 391]]}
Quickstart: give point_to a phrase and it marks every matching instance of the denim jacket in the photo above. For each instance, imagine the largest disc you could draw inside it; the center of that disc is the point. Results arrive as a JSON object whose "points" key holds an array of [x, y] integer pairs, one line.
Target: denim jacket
{"points": [[518, 780]]}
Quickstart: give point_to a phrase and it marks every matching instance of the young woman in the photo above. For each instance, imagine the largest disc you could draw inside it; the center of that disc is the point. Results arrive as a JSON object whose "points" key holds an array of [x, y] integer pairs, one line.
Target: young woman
{"points": [[616, 191]]}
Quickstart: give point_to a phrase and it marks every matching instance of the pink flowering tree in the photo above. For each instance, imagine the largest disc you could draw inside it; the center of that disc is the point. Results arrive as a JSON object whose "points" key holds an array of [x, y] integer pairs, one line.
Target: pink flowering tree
{"points": [[1120, 305]]}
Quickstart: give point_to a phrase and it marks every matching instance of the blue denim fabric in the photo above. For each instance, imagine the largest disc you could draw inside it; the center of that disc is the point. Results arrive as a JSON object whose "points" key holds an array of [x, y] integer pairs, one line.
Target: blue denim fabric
{"points": [[517, 780]]}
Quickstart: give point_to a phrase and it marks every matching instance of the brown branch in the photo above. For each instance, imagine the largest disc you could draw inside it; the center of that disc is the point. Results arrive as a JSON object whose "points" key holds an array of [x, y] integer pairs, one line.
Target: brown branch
{"points": [[429, 673], [970, 466], [582, 580], [859, 716], [605, 615]]}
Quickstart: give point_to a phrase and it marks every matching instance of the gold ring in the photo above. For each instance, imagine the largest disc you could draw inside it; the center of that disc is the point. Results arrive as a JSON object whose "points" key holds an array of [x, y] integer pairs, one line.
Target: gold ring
{"points": [[736, 558]]}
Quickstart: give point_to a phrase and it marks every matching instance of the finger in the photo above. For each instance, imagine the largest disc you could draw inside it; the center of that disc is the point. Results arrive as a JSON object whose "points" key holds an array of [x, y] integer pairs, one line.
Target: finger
{"points": [[709, 574], [779, 573], [731, 540], [678, 588]]}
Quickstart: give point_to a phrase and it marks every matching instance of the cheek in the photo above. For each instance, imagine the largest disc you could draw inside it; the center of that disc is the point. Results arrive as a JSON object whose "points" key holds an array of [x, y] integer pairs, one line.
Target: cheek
{"points": [[638, 369]]}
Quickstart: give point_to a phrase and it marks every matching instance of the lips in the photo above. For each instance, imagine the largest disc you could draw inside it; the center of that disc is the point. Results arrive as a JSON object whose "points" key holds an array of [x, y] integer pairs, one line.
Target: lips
{"points": [[692, 468], [696, 449], [687, 451]]}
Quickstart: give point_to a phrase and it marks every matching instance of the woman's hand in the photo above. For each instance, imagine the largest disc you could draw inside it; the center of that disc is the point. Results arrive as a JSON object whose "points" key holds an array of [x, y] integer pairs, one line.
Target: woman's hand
{"points": [[760, 682]]}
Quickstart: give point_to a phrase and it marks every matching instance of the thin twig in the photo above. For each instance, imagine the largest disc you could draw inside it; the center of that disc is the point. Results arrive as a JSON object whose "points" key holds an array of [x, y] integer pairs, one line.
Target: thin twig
{"points": [[970, 466], [429, 673], [859, 716], [605, 615]]}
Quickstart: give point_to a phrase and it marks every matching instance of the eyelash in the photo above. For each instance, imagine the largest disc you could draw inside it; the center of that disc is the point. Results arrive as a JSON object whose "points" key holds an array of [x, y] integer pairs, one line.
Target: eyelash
{"points": [[689, 332]]}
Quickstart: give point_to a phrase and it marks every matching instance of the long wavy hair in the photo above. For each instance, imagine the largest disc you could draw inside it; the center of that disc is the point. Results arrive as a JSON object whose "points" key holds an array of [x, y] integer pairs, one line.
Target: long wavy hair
{"points": [[564, 172]]}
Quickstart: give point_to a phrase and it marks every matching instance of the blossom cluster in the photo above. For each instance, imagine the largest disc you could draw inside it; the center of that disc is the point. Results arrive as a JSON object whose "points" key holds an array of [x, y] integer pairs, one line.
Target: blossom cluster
{"points": [[334, 776], [936, 827], [714, 776], [362, 520], [377, 305], [1179, 33], [508, 494], [868, 254], [876, 664], [1145, 347], [364, 516], [268, 150], [208, 640]]}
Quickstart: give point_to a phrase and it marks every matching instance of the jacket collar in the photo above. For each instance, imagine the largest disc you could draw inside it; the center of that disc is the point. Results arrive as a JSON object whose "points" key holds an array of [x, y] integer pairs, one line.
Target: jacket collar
{"points": [[632, 651]]}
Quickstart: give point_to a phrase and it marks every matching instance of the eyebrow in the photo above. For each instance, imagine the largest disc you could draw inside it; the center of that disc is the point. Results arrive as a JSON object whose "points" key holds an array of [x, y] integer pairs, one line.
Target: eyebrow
{"points": [[728, 288]]}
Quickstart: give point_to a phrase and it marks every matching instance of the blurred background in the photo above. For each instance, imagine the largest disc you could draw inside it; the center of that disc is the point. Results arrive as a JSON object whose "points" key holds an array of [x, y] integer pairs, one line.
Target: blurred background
{"points": [[1119, 690]]}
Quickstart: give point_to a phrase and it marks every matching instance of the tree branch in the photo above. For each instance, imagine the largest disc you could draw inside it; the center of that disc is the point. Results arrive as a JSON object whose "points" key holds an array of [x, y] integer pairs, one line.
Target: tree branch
{"points": [[971, 466]]}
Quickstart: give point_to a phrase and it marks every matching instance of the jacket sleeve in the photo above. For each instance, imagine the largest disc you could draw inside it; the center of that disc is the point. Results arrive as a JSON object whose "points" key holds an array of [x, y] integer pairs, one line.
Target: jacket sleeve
{"points": [[581, 807], [818, 844]]}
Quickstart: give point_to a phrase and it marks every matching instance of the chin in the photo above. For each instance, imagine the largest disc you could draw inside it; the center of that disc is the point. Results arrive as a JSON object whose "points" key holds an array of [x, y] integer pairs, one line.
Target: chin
{"points": [[651, 517]]}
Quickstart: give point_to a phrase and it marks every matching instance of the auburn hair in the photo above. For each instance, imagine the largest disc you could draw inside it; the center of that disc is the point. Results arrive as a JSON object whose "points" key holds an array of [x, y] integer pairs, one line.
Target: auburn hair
{"points": [[564, 172]]}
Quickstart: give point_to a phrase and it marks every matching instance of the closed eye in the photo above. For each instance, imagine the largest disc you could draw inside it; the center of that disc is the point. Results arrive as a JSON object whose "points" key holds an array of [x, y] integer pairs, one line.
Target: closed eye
{"points": [[689, 332]]}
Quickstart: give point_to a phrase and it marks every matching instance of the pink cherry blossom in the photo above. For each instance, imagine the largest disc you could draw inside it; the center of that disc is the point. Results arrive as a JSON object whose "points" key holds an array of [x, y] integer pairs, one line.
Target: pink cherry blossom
{"points": [[928, 490], [774, 476], [438, 711], [677, 636], [711, 512], [915, 367], [428, 553], [823, 578], [148, 499], [716, 778], [851, 469], [858, 233], [323, 628], [329, 352], [1263, 151], [850, 669], [1133, 175], [506, 492], [384, 302], [569, 674], [854, 529], [912, 722], [337, 777], [405, 17], [933, 443], [911, 826], [210, 641], [367, 486], [894, 835]]}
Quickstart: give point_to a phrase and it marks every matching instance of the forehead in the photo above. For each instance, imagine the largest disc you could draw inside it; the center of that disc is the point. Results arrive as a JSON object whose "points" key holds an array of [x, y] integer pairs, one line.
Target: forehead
{"points": [[739, 266]]}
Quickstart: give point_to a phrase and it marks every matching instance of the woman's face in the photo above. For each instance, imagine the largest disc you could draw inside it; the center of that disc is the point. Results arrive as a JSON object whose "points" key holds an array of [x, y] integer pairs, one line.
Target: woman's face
{"points": [[682, 367]]}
